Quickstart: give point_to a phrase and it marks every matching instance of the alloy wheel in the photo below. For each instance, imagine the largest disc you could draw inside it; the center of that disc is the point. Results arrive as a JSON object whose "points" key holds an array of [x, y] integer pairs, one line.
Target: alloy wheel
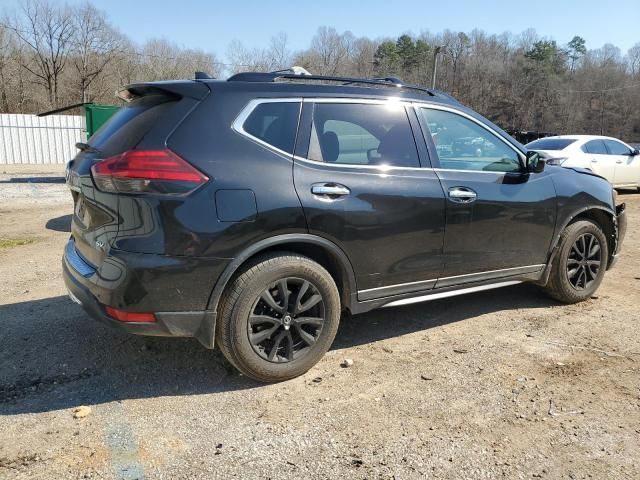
{"points": [[286, 320], [585, 259]]}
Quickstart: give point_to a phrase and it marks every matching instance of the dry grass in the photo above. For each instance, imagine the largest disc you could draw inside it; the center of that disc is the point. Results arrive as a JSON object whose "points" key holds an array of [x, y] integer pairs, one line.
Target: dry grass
{"points": [[6, 243]]}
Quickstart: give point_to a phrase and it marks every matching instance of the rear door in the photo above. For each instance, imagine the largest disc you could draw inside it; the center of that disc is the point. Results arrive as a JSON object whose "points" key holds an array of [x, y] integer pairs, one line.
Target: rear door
{"points": [[500, 220], [601, 162], [627, 171], [357, 172]]}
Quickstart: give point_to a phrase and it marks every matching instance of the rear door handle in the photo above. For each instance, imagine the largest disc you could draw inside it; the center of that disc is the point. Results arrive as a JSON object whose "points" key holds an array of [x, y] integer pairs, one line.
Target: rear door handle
{"points": [[462, 195], [330, 190]]}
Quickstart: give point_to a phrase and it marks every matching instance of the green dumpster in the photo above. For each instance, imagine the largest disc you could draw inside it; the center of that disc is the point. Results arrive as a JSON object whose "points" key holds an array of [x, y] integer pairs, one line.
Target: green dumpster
{"points": [[97, 115]]}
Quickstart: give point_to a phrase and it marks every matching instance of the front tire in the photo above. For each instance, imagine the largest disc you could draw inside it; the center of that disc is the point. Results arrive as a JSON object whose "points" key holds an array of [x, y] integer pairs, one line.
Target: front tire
{"points": [[580, 264], [278, 317]]}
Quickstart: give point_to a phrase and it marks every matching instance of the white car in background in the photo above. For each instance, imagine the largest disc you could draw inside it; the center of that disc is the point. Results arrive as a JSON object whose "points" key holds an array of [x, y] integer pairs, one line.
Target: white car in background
{"points": [[608, 157]]}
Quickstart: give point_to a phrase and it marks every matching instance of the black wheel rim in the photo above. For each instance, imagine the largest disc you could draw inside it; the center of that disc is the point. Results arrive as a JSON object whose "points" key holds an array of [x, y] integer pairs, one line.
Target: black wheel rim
{"points": [[286, 320], [584, 261]]}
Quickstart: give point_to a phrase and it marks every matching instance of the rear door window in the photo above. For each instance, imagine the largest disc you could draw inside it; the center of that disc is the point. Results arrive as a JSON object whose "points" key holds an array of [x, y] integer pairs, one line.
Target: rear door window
{"points": [[595, 147], [274, 123], [362, 134]]}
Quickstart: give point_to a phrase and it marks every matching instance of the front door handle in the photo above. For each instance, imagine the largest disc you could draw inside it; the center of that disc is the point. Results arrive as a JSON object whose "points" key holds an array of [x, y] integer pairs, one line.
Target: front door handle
{"points": [[330, 190], [462, 195]]}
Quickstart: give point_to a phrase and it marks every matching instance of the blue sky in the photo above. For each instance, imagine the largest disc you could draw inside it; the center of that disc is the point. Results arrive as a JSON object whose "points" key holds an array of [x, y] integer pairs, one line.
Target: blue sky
{"points": [[212, 25]]}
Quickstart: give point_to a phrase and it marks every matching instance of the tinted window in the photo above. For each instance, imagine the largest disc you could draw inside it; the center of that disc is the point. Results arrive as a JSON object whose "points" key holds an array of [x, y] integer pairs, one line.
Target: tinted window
{"points": [[550, 144], [464, 145], [360, 134], [274, 123], [616, 148], [126, 128], [595, 146]]}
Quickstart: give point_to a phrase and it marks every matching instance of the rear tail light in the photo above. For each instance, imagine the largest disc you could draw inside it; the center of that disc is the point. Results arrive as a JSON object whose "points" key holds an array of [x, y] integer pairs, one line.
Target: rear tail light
{"points": [[147, 171], [134, 317]]}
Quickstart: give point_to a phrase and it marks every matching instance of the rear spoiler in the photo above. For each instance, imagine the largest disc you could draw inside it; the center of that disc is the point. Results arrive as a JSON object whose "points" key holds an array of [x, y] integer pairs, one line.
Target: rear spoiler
{"points": [[177, 89]]}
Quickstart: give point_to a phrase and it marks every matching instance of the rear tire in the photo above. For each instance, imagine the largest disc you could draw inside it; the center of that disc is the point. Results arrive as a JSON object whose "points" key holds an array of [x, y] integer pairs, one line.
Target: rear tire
{"points": [[580, 264], [278, 317]]}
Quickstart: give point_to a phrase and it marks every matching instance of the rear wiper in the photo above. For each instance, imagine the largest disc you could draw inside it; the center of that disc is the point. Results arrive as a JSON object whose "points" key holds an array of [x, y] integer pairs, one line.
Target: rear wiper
{"points": [[85, 147]]}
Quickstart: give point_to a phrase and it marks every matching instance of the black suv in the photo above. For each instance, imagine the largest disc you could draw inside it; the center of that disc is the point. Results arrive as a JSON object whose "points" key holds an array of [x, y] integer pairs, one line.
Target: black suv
{"points": [[251, 213]]}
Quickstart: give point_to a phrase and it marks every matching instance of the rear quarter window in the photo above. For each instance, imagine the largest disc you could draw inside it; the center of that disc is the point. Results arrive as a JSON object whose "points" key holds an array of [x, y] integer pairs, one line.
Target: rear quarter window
{"points": [[274, 123]]}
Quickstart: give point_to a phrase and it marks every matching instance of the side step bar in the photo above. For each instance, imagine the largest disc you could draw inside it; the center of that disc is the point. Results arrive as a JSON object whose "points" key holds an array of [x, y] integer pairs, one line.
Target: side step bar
{"points": [[450, 293]]}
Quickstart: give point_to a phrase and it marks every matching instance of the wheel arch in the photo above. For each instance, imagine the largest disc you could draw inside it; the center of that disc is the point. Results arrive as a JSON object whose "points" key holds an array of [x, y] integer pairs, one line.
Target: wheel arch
{"points": [[319, 249], [603, 217]]}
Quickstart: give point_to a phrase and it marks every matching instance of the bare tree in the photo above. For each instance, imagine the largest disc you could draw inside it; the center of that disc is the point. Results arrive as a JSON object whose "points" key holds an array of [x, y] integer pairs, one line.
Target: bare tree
{"points": [[329, 51], [95, 45], [162, 60], [633, 59], [276, 57], [46, 29]]}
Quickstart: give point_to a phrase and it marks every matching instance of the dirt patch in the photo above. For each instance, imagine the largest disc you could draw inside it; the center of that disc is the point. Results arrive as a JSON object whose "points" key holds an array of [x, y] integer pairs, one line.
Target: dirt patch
{"points": [[499, 384]]}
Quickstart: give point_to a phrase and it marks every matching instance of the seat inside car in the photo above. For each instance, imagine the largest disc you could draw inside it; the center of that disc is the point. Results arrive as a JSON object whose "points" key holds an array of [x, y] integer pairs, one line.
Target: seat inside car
{"points": [[396, 148], [330, 146]]}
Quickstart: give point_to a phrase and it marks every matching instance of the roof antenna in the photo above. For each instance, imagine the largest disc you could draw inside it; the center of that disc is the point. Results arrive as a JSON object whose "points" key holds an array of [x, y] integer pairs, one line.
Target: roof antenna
{"points": [[202, 76]]}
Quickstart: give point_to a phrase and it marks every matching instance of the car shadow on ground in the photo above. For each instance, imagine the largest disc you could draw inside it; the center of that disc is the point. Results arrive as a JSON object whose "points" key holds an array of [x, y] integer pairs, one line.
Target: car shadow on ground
{"points": [[59, 224], [50, 179], [53, 356]]}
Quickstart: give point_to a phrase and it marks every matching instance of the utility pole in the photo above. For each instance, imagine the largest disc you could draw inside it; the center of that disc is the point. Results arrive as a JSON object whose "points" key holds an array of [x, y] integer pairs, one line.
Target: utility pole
{"points": [[436, 51]]}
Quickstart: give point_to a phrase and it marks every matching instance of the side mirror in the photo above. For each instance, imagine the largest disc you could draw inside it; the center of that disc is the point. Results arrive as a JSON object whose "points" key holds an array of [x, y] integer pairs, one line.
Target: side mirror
{"points": [[635, 152], [535, 163]]}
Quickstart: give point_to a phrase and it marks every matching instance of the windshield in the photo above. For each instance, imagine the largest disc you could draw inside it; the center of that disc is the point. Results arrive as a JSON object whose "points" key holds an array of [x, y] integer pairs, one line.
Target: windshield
{"points": [[550, 144]]}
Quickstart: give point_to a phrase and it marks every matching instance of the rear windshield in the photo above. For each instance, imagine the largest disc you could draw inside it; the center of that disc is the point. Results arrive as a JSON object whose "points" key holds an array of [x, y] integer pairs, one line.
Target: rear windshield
{"points": [[550, 144], [127, 126]]}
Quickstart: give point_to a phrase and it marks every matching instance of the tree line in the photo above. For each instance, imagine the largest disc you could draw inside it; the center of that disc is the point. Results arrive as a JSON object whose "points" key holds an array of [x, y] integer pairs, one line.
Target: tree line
{"points": [[53, 54]]}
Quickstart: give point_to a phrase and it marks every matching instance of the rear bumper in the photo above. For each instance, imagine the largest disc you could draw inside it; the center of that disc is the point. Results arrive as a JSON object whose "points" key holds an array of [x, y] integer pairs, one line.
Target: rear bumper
{"points": [[146, 285], [621, 230]]}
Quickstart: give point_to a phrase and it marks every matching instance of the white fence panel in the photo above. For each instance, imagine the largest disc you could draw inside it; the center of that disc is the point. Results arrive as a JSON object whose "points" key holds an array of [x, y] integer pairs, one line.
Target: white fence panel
{"points": [[36, 140]]}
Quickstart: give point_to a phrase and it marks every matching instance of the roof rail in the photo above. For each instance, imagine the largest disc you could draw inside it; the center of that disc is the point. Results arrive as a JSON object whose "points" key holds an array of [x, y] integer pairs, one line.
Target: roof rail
{"points": [[392, 82]]}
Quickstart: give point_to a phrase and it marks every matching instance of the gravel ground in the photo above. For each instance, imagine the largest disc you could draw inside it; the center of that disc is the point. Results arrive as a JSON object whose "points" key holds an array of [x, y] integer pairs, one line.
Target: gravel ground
{"points": [[499, 384]]}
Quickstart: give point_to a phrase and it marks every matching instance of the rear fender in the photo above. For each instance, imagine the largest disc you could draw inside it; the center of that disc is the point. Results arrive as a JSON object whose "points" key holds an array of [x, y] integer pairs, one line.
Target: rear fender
{"points": [[346, 269]]}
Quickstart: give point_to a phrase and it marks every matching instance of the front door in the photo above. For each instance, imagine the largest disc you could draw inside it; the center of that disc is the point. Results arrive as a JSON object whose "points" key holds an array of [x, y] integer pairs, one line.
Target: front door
{"points": [[599, 159], [358, 174], [500, 220], [627, 165]]}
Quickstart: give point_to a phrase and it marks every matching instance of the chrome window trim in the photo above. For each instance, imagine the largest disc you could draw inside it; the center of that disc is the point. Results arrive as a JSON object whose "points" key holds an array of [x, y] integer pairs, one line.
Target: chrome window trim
{"points": [[433, 106], [238, 123], [381, 169], [366, 101]]}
